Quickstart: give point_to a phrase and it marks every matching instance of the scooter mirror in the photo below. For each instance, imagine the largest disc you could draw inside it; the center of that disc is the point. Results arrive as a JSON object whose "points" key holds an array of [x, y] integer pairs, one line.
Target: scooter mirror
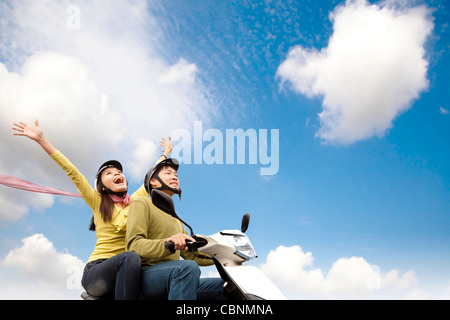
{"points": [[245, 222], [163, 201]]}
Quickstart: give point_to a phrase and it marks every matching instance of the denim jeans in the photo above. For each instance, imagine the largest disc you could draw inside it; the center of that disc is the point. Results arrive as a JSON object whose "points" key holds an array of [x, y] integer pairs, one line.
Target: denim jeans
{"points": [[179, 280], [116, 278]]}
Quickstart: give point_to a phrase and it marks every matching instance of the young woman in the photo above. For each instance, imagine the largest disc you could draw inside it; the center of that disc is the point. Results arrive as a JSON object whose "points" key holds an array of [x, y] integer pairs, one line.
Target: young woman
{"points": [[110, 271]]}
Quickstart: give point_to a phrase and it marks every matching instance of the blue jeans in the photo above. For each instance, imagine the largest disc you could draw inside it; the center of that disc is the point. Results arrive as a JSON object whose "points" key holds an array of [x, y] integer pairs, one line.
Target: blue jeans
{"points": [[116, 278], [178, 280]]}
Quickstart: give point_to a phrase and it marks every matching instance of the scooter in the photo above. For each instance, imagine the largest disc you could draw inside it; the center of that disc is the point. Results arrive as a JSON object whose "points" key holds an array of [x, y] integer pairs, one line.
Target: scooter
{"points": [[229, 249]]}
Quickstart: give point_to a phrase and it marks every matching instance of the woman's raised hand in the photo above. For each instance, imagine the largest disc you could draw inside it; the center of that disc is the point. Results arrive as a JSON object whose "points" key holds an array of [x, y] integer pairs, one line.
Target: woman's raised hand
{"points": [[34, 133], [167, 145]]}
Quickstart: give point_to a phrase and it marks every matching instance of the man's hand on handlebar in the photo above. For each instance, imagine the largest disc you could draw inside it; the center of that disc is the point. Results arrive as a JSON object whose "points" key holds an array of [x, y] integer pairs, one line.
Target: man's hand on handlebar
{"points": [[180, 241]]}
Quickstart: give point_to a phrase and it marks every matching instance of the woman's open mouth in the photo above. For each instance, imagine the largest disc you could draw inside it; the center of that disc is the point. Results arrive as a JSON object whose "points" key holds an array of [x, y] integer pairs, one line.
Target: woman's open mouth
{"points": [[118, 180]]}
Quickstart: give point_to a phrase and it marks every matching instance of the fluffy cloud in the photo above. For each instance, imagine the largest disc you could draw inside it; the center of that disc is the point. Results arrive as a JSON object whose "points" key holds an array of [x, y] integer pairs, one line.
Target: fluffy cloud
{"points": [[100, 88], [370, 72], [292, 271], [40, 272]]}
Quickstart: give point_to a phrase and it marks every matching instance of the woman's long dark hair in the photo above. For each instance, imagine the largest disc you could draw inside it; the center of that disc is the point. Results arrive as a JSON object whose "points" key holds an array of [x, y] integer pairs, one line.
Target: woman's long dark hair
{"points": [[106, 207]]}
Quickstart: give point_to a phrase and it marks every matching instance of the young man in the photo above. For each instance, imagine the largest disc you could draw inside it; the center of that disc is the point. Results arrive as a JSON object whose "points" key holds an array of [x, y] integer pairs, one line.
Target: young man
{"points": [[164, 275]]}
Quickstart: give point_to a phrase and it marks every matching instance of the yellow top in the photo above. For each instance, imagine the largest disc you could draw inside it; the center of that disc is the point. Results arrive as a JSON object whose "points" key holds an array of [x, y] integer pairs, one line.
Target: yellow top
{"points": [[110, 235]]}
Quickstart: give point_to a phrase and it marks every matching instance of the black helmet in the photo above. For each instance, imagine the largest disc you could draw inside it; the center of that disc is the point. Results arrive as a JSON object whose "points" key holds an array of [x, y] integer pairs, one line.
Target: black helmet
{"points": [[107, 164], [171, 162]]}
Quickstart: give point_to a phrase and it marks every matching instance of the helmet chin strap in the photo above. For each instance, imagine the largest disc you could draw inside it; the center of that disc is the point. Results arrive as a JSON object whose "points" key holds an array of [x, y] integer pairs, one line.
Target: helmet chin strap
{"points": [[110, 192], [166, 187]]}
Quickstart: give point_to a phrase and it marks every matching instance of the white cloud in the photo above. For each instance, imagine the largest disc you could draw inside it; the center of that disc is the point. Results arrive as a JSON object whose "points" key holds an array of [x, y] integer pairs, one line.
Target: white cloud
{"points": [[292, 270], [290, 267], [36, 270], [144, 150], [14, 206], [370, 72], [182, 73], [102, 89]]}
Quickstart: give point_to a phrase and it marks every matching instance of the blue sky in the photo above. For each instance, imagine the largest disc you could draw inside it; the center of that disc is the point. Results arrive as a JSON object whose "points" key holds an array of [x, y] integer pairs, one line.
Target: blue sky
{"points": [[363, 186]]}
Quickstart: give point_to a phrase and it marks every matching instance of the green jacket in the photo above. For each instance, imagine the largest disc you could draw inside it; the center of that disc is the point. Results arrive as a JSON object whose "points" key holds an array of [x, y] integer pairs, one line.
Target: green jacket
{"points": [[148, 228]]}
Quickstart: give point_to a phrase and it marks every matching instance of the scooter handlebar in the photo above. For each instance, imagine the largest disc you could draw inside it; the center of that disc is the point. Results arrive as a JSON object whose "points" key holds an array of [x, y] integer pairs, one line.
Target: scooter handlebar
{"points": [[170, 246], [192, 246]]}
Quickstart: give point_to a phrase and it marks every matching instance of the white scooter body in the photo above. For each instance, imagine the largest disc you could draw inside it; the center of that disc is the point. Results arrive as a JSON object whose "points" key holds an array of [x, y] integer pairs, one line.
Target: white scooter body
{"points": [[229, 249]]}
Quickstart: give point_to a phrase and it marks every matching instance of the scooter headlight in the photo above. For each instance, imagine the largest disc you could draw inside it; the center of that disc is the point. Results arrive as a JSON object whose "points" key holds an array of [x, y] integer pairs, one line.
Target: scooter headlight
{"points": [[242, 245]]}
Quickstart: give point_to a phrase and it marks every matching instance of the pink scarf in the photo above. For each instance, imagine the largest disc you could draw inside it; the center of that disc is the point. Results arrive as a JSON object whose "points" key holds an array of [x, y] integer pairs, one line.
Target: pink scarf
{"points": [[125, 199], [17, 183], [21, 184]]}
